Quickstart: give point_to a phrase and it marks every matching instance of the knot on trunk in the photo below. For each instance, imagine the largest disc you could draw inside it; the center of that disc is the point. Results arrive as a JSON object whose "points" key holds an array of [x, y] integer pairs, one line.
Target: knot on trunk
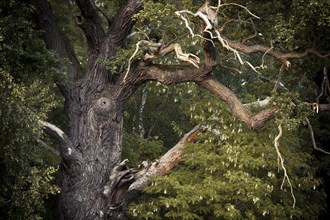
{"points": [[104, 108]]}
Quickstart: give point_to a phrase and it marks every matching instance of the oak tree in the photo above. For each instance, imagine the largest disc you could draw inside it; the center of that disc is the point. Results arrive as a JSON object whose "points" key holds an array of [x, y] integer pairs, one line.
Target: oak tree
{"points": [[96, 182]]}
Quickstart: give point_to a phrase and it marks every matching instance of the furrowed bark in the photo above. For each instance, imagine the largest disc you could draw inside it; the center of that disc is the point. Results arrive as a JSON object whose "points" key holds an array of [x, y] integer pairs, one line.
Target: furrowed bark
{"points": [[122, 24], [95, 184], [126, 184], [90, 22]]}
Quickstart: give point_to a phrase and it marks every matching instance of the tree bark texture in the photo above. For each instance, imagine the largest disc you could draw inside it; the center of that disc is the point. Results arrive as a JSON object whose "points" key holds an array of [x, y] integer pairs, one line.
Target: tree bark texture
{"points": [[95, 183]]}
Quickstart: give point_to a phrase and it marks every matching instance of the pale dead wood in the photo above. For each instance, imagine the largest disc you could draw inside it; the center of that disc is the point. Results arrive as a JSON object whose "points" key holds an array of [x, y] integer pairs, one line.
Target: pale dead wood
{"points": [[280, 162], [67, 150], [161, 52], [164, 164]]}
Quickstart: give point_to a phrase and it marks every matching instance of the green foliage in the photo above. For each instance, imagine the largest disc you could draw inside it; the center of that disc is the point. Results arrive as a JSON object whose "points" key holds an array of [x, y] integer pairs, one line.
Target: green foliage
{"points": [[26, 178], [232, 173], [302, 20], [27, 75], [162, 115], [139, 149]]}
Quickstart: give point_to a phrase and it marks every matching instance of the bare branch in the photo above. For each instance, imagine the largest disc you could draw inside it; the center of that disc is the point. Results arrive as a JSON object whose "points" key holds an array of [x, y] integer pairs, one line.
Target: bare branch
{"points": [[238, 109], [165, 163], [237, 47], [187, 57], [283, 57], [280, 161], [313, 138], [67, 150], [241, 6]]}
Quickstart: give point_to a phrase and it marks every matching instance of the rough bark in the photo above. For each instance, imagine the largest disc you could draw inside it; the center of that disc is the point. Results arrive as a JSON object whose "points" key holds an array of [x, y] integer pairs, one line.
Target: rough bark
{"points": [[95, 183]]}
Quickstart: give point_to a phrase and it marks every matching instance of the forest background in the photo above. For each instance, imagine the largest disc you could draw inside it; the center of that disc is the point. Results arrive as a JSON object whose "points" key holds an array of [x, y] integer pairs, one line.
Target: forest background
{"points": [[228, 171]]}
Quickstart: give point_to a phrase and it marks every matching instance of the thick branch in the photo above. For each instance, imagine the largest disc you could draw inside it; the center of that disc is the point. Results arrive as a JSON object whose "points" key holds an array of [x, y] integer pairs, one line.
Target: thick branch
{"points": [[164, 164], [320, 107], [170, 74], [123, 23], [283, 57], [238, 109], [187, 57], [67, 151], [55, 39], [90, 23]]}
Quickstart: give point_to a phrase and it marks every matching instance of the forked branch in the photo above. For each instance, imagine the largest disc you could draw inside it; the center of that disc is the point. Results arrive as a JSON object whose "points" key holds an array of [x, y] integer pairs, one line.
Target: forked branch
{"points": [[207, 14], [90, 23]]}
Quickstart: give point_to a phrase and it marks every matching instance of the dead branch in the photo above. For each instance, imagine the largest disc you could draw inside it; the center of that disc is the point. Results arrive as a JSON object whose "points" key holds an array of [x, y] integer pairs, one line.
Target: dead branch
{"points": [[68, 152], [165, 163], [161, 52], [186, 57], [280, 162], [313, 138], [236, 47]]}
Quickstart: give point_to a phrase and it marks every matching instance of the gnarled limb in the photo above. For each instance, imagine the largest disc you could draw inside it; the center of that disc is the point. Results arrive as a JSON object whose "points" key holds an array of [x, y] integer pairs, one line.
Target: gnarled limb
{"points": [[186, 57], [161, 52], [206, 13], [238, 109], [67, 150], [178, 74], [165, 163], [125, 184], [123, 23]]}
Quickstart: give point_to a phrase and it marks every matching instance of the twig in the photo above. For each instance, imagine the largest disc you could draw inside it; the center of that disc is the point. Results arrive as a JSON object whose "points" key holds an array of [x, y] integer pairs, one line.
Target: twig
{"points": [[137, 46], [313, 138], [241, 6], [251, 36]]}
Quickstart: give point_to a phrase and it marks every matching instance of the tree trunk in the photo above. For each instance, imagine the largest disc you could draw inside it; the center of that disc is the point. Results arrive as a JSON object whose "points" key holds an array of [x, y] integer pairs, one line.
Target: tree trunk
{"points": [[95, 184], [96, 123]]}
